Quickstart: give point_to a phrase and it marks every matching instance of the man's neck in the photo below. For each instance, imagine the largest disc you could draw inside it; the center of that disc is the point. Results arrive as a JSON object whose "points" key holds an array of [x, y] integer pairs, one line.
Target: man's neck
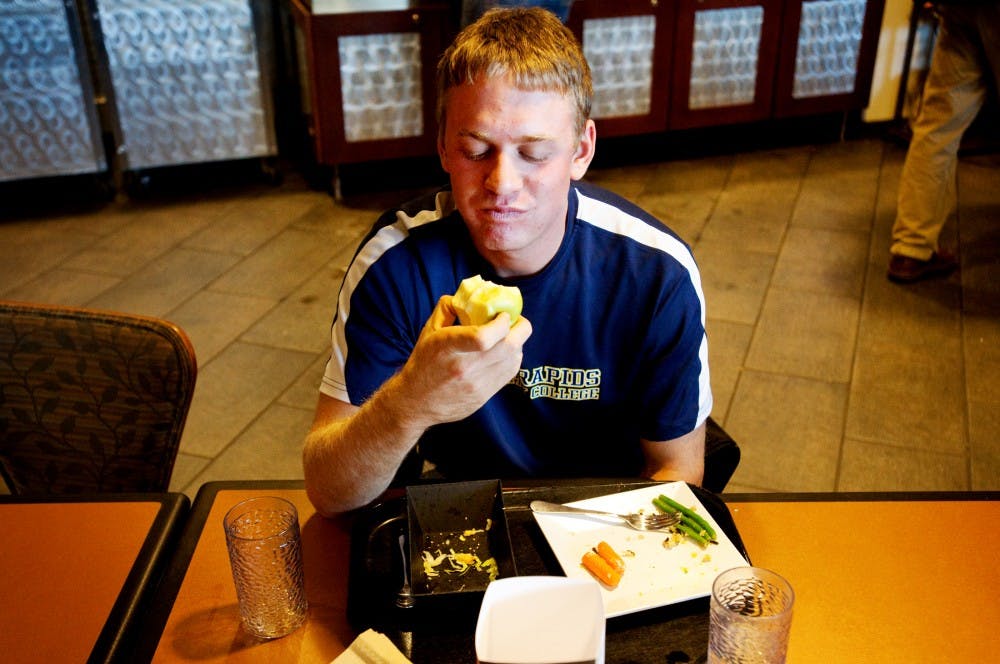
{"points": [[530, 261]]}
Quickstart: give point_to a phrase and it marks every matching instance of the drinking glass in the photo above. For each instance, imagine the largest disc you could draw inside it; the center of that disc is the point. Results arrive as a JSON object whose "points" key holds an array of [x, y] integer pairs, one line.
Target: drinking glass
{"points": [[265, 552], [750, 617]]}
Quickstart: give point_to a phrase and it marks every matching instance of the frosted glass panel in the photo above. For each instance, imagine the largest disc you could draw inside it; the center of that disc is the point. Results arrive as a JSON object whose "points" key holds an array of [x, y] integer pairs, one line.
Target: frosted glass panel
{"points": [[380, 83], [724, 56], [187, 81], [620, 53], [47, 122], [826, 59]]}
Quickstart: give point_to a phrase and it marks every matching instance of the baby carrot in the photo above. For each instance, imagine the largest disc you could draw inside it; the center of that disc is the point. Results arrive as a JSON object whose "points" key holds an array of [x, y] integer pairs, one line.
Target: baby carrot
{"points": [[611, 556], [600, 568]]}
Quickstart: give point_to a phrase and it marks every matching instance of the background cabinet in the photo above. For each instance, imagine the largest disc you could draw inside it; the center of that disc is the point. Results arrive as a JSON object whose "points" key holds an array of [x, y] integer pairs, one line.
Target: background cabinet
{"points": [[749, 60], [658, 65], [725, 55], [367, 80], [827, 56], [132, 84], [628, 46], [48, 121], [186, 81]]}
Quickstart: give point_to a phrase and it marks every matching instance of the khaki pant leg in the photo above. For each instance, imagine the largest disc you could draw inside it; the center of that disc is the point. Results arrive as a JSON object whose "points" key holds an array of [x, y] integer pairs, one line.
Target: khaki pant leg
{"points": [[954, 92]]}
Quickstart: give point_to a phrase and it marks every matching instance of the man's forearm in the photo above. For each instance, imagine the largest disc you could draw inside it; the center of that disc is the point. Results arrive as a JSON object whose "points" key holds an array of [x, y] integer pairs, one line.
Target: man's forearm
{"points": [[350, 461]]}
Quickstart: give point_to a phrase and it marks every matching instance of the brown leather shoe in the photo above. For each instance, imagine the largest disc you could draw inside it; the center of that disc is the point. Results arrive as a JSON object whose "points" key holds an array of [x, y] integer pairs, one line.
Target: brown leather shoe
{"points": [[906, 270]]}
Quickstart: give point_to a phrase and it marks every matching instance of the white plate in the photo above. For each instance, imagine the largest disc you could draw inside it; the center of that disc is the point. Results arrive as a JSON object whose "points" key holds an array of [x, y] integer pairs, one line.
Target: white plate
{"points": [[541, 619], [654, 575]]}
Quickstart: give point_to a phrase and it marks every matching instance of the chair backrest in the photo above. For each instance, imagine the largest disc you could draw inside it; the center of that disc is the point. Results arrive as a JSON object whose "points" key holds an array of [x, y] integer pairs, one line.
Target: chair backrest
{"points": [[90, 401], [722, 456]]}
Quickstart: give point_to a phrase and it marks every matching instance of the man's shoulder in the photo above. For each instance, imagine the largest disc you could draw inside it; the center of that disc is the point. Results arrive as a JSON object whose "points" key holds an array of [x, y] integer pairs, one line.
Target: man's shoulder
{"points": [[411, 220], [604, 209], [419, 236], [596, 192], [429, 206]]}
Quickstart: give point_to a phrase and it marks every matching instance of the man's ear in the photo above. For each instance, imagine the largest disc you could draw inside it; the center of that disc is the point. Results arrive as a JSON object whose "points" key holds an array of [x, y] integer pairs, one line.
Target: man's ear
{"points": [[584, 151], [442, 155]]}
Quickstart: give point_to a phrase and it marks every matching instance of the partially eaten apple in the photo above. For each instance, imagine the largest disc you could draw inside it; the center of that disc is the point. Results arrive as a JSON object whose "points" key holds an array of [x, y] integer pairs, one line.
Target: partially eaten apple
{"points": [[478, 301]]}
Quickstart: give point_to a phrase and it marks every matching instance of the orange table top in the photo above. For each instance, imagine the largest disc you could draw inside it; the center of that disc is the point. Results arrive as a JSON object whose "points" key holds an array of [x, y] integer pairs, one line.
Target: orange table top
{"points": [[67, 567], [875, 580], [885, 581]]}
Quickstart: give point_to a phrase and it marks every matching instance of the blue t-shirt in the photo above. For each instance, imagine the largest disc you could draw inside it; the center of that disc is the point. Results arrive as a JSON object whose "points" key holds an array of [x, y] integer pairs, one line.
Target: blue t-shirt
{"points": [[618, 350]]}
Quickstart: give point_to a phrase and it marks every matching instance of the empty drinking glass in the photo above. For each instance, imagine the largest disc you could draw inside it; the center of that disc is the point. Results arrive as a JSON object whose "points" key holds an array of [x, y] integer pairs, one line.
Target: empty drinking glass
{"points": [[750, 617], [265, 551]]}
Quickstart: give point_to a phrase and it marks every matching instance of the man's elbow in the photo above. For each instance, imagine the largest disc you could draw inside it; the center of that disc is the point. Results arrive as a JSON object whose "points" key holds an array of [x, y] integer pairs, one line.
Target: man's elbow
{"points": [[324, 497], [325, 506], [328, 499]]}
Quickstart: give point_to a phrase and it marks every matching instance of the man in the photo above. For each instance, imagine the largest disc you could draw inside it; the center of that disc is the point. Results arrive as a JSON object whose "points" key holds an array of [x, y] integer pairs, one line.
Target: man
{"points": [[964, 67], [605, 373]]}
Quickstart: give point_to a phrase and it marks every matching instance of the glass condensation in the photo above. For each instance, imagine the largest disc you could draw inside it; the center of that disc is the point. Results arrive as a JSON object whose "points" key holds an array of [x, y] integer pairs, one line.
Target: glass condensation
{"points": [[47, 126], [186, 80], [620, 53], [826, 60], [380, 81], [724, 56]]}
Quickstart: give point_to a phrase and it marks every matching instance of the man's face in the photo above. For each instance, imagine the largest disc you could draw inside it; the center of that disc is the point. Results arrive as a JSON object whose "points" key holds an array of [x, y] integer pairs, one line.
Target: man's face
{"points": [[511, 155]]}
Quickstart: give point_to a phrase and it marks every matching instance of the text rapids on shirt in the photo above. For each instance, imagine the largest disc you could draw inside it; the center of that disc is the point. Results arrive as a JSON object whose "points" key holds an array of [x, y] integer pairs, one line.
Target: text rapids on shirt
{"points": [[560, 383]]}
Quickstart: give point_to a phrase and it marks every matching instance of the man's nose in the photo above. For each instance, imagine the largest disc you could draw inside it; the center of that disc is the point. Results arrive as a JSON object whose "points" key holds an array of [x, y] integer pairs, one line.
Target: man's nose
{"points": [[503, 176]]}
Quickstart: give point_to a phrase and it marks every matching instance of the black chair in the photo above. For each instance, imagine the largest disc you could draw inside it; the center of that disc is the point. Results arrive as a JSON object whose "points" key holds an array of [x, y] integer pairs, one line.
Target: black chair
{"points": [[90, 401], [722, 456]]}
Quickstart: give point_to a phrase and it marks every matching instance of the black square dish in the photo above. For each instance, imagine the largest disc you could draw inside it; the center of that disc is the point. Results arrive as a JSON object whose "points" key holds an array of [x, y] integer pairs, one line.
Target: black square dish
{"points": [[458, 541]]}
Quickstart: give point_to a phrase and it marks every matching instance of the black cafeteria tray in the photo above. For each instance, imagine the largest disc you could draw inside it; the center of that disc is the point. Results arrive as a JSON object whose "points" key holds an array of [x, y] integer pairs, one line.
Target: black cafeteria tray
{"points": [[675, 633]]}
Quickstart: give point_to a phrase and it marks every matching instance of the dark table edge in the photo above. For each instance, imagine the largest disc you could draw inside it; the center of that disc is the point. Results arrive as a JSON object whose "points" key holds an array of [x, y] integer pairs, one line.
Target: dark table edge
{"points": [[176, 569], [123, 626]]}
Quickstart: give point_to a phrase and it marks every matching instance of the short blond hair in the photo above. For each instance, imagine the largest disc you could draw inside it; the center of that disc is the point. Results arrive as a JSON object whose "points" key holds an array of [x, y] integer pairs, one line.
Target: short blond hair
{"points": [[529, 45]]}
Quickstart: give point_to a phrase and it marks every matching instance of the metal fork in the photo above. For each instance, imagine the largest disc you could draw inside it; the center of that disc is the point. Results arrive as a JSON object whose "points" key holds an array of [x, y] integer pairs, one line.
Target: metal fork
{"points": [[404, 598], [637, 520]]}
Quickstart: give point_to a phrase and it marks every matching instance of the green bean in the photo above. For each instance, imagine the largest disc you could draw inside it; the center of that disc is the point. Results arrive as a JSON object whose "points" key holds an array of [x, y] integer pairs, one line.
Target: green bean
{"points": [[697, 527], [668, 504], [687, 526], [691, 533], [663, 506]]}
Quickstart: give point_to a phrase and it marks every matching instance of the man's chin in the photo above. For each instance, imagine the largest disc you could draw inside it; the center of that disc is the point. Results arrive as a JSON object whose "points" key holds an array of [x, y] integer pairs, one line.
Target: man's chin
{"points": [[497, 235], [493, 245]]}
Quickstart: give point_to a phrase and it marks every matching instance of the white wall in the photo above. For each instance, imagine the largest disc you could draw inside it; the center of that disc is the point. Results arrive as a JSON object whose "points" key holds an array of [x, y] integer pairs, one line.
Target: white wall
{"points": [[889, 61]]}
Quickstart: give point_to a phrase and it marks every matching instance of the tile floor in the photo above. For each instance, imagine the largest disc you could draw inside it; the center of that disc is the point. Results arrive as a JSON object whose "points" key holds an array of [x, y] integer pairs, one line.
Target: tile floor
{"points": [[830, 377]]}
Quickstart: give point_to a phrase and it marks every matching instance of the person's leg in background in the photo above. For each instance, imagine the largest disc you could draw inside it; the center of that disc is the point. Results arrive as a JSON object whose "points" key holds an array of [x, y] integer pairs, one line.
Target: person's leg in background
{"points": [[965, 55]]}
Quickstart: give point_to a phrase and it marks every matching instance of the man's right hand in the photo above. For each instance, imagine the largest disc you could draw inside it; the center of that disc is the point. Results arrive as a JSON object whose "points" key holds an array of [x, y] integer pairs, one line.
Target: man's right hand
{"points": [[352, 453], [455, 369]]}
